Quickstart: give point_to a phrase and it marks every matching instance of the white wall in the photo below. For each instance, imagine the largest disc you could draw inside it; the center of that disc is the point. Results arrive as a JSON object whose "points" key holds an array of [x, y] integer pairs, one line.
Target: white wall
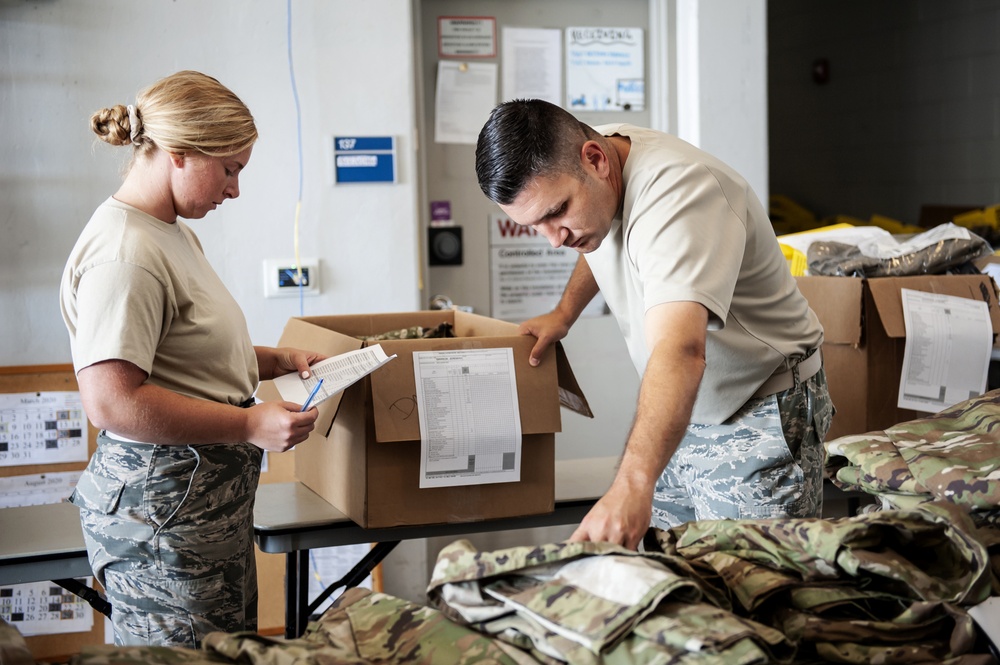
{"points": [[63, 60], [722, 83]]}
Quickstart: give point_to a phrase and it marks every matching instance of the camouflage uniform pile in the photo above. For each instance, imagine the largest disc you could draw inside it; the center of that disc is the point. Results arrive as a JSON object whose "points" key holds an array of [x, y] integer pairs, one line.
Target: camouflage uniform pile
{"points": [[890, 586], [886, 587], [950, 456], [361, 628]]}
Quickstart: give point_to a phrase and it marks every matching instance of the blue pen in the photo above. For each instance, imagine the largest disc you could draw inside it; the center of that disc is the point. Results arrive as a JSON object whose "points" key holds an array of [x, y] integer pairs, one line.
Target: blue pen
{"points": [[311, 395]]}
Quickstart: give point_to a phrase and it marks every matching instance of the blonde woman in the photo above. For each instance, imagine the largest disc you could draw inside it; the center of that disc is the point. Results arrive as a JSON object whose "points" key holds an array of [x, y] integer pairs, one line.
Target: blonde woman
{"points": [[167, 372]]}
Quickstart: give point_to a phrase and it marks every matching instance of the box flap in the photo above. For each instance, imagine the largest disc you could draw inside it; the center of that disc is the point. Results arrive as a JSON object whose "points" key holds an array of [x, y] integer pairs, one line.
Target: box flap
{"points": [[570, 394], [305, 333], [889, 303], [477, 325], [394, 386], [837, 302]]}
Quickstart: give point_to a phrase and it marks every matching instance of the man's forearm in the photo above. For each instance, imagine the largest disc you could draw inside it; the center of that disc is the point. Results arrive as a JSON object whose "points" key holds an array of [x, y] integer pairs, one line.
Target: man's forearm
{"points": [[580, 290]]}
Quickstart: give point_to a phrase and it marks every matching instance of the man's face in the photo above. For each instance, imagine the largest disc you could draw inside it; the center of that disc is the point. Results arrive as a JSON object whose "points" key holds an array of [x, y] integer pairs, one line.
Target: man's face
{"points": [[569, 210]]}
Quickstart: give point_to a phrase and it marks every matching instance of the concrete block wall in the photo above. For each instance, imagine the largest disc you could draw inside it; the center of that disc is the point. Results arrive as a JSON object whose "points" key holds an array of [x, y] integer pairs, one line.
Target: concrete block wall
{"points": [[910, 114]]}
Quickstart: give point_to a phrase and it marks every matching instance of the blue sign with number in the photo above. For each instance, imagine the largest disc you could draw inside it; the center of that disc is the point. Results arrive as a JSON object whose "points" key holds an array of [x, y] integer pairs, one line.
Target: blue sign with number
{"points": [[364, 159]]}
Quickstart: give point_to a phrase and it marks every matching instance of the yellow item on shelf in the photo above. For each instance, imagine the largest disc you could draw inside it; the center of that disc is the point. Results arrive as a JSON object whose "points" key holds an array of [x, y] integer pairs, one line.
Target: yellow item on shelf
{"points": [[989, 217], [797, 261], [845, 219], [894, 226], [787, 216]]}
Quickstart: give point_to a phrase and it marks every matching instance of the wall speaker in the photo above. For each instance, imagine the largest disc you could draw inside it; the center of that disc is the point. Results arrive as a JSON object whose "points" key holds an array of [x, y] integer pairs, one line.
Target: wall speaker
{"points": [[444, 245]]}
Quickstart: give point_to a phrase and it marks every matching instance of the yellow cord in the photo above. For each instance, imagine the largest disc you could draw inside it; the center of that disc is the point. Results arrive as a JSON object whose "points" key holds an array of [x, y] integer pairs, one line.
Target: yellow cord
{"points": [[298, 263]]}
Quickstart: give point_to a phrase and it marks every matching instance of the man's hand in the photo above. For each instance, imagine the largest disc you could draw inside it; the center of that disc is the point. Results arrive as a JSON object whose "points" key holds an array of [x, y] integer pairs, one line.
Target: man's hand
{"points": [[621, 516], [675, 334], [549, 329]]}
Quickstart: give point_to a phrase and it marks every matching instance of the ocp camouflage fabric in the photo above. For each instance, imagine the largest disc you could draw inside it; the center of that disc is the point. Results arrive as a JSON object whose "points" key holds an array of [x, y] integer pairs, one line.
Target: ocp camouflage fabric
{"points": [[950, 456], [360, 628], [888, 587], [596, 603], [412, 332], [883, 587], [13, 648]]}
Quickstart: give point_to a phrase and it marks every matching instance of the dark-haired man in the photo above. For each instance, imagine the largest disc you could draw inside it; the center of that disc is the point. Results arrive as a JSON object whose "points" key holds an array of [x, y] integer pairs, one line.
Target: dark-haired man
{"points": [[733, 404]]}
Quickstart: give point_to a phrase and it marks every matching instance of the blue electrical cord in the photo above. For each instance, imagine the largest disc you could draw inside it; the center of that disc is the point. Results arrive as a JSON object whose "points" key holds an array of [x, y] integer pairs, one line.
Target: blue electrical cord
{"points": [[298, 132]]}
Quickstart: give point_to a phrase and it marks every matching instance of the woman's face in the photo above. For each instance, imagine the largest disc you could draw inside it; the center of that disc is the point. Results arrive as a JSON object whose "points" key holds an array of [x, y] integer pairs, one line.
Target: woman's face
{"points": [[201, 183]]}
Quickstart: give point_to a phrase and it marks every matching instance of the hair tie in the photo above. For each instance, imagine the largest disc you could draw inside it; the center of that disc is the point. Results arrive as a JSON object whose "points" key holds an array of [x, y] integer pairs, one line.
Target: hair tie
{"points": [[133, 121]]}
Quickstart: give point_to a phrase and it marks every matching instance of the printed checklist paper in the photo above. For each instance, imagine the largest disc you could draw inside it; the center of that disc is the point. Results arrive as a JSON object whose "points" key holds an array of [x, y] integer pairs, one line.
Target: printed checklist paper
{"points": [[470, 425], [947, 353], [337, 373]]}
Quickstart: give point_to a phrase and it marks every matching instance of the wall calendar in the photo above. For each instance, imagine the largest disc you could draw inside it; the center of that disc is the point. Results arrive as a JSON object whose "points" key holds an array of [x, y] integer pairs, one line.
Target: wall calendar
{"points": [[42, 428]]}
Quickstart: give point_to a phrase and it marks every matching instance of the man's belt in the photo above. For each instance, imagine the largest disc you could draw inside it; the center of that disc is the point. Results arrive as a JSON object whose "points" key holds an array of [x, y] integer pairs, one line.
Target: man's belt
{"points": [[785, 379]]}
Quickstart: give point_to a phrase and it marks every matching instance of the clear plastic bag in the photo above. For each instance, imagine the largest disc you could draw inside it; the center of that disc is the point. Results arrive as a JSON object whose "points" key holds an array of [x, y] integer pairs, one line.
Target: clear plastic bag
{"points": [[940, 250]]}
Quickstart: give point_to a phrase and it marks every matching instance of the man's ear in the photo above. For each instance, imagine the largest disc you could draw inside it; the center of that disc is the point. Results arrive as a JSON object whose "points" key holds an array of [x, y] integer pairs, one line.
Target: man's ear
{"points": [[593, 155], [176, 159]]}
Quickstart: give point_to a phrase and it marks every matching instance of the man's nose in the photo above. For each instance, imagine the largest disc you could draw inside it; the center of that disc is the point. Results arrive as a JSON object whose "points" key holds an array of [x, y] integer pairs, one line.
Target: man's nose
{"points": [[553, 234]]}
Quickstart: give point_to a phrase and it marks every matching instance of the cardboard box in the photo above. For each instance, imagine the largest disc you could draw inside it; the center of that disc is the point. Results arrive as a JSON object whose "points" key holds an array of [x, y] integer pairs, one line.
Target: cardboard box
{"points": [[364, 455], [865, 337]]}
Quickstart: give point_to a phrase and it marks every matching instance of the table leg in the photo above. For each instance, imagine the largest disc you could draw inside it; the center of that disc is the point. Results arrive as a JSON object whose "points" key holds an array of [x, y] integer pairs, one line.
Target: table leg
{"points": [[357, 574], [296, 593]]}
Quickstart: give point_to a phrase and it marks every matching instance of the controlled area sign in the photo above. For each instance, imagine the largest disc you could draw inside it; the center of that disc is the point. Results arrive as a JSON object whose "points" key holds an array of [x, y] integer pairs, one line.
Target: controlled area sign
{"points": [[527, 274]]}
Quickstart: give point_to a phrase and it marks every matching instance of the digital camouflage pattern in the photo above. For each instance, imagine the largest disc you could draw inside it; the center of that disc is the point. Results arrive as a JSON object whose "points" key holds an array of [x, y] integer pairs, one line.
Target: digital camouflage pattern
{"points": [[765, 461], [951, 456], [169, 534]]}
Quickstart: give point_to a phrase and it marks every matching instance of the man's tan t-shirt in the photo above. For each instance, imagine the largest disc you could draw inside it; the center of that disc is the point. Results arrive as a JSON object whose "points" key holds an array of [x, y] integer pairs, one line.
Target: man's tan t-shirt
{"points": [[691, 229]]}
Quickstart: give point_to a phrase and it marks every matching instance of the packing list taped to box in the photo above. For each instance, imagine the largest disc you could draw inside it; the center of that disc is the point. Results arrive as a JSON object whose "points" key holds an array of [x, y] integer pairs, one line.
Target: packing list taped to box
{"points": [[470, 425], [947, 354]]}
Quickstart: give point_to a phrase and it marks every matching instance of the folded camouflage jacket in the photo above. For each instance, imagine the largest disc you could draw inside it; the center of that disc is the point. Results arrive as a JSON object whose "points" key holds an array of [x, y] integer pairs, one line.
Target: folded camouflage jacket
{"points": [[889, 587], [950, 456], [586, 603]]}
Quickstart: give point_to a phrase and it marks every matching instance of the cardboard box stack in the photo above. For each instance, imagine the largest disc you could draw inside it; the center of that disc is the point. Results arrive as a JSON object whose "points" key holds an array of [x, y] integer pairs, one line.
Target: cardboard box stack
{"points": [[364, 455], [865, 337]]}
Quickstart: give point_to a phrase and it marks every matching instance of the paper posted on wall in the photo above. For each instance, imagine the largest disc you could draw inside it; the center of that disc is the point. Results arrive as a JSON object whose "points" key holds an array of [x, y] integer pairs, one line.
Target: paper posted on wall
{"points": [[337, 373]]}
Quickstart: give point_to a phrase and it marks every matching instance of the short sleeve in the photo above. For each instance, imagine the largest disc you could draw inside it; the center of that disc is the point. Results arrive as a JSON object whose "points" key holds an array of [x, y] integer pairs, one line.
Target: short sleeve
{"points": [[122, 315], [689, 243]]}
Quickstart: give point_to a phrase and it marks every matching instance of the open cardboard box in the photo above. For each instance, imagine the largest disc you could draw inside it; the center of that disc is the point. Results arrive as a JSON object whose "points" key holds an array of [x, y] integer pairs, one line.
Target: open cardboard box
{"points": [[364, 455], [865, 337]]}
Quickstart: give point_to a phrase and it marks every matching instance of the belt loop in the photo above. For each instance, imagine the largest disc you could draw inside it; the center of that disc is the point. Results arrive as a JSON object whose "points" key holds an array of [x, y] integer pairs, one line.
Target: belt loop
{"points": [[795, 375]]}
